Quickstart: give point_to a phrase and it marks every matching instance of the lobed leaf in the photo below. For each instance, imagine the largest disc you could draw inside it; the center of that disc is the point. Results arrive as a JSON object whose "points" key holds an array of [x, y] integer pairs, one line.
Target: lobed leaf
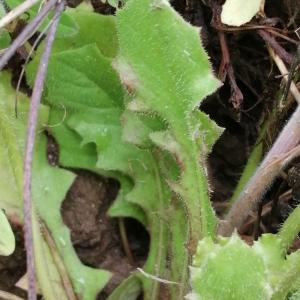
{"points": [[162, 62]]}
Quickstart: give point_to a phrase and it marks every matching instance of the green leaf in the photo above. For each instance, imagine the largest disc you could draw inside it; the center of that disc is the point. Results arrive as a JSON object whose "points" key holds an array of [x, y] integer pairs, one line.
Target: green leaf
{"points": [[4, 39], [162, 62], [7, 238], [85, 28], [129, 289], [219, 272], [91, 28], [12, 139], [230, 269]]}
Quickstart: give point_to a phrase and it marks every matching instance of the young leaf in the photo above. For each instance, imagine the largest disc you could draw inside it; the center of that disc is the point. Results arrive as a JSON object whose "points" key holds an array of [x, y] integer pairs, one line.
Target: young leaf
{"points": [[218, 270]]}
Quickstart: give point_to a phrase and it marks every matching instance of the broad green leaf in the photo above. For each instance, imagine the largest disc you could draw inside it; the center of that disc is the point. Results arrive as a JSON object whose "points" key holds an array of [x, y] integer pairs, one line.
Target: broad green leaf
{"points": [[91, 28], [238, 12], [7, 238], [88, 28]]}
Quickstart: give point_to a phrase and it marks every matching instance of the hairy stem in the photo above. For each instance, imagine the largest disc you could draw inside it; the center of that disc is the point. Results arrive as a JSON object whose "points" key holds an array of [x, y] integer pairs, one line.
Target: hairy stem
{"points": [[27, 32], [288, 139], [32, 121]]}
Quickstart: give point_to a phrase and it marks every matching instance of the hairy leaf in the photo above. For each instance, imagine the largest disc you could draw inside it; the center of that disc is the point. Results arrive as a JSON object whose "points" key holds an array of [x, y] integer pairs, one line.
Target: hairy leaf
{"points": [[161, 60], [231, 269]]}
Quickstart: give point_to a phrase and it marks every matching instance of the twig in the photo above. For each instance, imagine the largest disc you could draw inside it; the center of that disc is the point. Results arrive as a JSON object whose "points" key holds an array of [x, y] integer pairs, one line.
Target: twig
{"points": [[290, 86], [294, 65], [32, 121], [125, 242], [19, 10], [226, 68], [276, 47], [27, 32], [284, 149], [153, 277], [285, 37]]}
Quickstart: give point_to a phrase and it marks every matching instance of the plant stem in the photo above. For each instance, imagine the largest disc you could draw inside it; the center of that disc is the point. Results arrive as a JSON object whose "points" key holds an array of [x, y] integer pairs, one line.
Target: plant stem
{"points": [[252, 164], [27, 32], [32, 121], [288, 139]]}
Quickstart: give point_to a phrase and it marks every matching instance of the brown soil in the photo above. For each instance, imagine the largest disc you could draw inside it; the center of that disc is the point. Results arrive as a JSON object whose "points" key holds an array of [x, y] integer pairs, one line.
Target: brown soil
{"points": [[96, 237]]}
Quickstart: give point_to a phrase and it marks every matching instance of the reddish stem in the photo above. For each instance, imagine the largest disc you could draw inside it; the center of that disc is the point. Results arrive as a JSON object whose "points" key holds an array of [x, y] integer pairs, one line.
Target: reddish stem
{"points": [[270, 40], [249, 199]]}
